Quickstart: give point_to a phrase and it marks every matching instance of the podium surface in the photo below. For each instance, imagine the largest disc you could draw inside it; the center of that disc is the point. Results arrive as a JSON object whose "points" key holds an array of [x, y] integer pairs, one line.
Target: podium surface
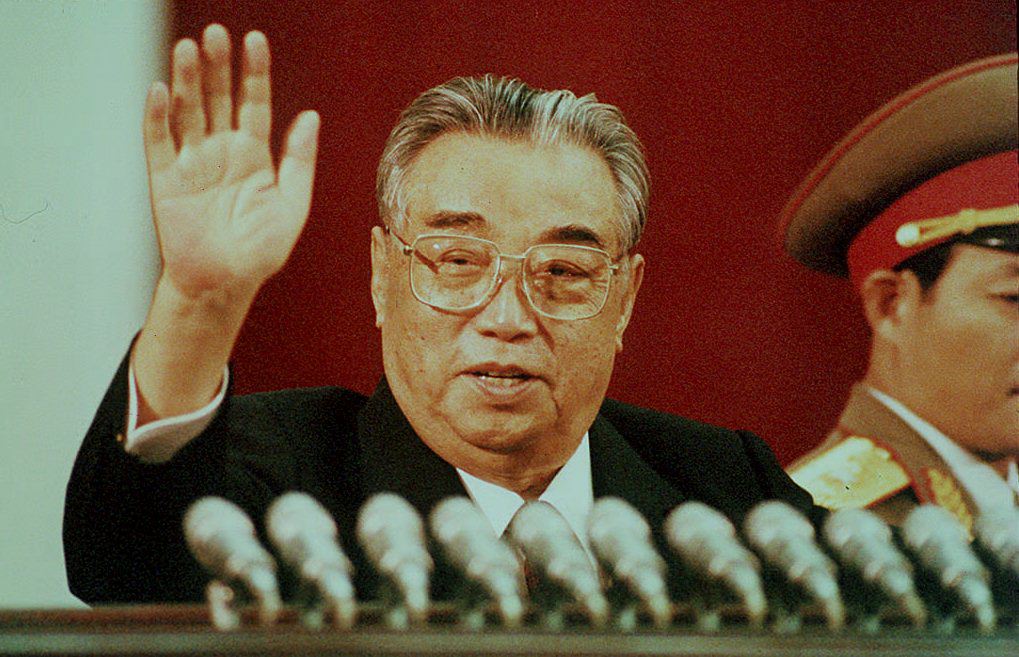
{"points": [[186, 630]]}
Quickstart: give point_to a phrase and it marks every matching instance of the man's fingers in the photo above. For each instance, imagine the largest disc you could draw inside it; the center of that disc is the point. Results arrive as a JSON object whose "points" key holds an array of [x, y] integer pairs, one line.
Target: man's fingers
{"points": [[297, 167], [187, 118], [159, 151], [216, 77], [255, 113]]}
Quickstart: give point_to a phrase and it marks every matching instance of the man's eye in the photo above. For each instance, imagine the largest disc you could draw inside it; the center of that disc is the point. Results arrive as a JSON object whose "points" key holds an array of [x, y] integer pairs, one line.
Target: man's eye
{"points": [[461, 260], [562, 270], [1010, 298]]}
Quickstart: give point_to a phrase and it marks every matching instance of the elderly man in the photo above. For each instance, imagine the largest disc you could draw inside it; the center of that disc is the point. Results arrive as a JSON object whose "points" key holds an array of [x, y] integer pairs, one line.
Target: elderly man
{"points": [[503, 280], [918, 206]]}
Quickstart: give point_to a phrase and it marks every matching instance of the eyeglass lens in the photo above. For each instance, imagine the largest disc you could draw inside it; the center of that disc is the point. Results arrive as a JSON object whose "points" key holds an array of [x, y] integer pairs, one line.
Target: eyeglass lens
{"points": [[561, 281]]}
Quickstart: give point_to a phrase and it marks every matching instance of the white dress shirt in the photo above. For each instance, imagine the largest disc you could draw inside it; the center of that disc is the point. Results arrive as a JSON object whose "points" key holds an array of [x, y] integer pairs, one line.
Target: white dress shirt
{"points": [[981, 481], [570, 492], [158, 441]]}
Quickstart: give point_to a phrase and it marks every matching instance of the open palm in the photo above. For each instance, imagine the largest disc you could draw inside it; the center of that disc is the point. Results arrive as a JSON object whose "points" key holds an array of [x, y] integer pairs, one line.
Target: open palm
{"points": [[225, 217]]}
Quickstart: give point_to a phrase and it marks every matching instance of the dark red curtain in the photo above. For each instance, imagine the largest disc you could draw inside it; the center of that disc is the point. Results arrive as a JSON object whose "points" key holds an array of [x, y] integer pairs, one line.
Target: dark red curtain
{"points": [[735, 101]]}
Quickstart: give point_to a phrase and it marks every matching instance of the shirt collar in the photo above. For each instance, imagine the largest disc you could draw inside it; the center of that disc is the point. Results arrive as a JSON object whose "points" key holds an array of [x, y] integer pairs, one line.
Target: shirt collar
{"points": [[980, 480], [570, 493]]}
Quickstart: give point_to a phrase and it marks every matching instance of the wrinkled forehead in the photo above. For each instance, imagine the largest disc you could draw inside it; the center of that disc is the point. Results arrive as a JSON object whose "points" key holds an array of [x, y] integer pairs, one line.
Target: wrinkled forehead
{"points": [[516, 190]]}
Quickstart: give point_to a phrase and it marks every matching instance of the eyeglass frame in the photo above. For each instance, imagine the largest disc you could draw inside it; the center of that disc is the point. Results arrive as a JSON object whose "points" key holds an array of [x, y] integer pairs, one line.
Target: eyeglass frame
{"points": [[497, 280]]}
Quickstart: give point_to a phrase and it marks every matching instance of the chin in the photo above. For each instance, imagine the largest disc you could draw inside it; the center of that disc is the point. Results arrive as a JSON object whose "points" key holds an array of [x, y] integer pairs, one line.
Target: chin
{"points": [[499, 432], [993, 442]]}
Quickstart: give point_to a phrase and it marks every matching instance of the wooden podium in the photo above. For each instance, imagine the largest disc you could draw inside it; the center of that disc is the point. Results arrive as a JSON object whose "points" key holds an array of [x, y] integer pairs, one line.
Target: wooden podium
{"points": [[186, 630]]}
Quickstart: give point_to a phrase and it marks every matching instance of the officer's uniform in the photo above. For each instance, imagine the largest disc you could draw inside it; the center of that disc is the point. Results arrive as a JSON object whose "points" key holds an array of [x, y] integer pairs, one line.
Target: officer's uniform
{"points": [[875, 459], [936, 164]]}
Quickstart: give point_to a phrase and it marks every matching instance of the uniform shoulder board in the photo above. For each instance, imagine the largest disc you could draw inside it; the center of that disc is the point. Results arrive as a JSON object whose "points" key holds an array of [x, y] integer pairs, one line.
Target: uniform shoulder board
{"points": [[854, 473], [946, 493]]}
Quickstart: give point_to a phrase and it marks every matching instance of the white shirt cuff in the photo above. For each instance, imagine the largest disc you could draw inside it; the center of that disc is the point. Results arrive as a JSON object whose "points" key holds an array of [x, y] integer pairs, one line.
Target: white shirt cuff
{"points": [[158, 441]]}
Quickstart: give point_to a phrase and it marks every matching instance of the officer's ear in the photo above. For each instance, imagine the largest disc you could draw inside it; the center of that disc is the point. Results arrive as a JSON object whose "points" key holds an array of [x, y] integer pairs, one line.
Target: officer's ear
{"points": [[888, 298], [380, 271]]}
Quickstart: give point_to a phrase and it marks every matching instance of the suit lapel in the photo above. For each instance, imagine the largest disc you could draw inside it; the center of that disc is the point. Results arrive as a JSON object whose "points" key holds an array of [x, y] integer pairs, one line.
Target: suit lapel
{"points": [[617, 470], [394, 458]]}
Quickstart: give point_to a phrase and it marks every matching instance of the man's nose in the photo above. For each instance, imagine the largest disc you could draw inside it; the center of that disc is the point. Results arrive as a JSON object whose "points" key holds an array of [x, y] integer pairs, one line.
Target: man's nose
{"points": [[508, 315]]}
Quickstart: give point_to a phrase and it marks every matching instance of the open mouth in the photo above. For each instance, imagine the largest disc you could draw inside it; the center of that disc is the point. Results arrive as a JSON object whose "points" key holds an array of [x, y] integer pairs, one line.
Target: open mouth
{"points": [[519, 376], [501, 382]]}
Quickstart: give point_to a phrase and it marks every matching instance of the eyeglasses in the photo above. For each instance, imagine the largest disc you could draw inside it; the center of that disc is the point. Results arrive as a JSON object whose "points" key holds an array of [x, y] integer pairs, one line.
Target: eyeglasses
{"points": [[457, 272]]}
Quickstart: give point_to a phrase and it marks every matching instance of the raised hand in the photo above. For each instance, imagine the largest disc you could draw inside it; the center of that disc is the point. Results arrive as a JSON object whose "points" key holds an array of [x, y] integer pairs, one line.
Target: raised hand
{"points": [[226, 218]]}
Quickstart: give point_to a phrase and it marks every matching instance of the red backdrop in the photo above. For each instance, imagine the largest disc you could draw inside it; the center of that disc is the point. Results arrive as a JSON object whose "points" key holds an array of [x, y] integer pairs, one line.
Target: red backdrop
{"points": [[735, 101]]}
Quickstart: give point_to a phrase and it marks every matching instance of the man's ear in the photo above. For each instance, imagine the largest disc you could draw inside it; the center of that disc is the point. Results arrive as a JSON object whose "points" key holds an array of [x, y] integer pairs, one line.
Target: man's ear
{"points": [[380, 273], [888, 297], [633, 282]]}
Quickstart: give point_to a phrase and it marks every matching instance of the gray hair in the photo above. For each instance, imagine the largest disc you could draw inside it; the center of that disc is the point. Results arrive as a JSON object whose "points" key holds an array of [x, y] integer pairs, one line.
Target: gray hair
{"points": [[511, 109]]}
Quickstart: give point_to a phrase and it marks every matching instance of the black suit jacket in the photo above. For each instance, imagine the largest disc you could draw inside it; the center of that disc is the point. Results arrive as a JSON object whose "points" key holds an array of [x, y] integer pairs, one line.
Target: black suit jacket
{"points": [[122, 518]]}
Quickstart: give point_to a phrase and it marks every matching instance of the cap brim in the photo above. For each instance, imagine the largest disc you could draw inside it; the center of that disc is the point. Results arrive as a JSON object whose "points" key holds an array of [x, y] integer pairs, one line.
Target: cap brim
{"points": [[961, 115]]}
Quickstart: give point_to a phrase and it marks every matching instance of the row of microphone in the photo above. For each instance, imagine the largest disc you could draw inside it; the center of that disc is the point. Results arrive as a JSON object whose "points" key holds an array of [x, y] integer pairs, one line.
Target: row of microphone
{"points": [[929, 572]]}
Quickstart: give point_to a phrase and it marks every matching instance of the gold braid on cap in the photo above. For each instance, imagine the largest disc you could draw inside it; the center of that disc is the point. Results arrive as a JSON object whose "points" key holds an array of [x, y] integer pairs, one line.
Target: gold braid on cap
{"points": [[963, 222]]}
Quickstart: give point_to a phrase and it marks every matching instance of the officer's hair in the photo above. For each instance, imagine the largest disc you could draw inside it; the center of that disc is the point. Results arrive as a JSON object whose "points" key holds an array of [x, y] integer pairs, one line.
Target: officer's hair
{"points": [[928, 265], [510, 109]]}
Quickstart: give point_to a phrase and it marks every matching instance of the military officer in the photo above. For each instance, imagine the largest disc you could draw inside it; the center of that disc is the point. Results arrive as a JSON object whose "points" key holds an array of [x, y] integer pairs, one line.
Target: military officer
{"points": [[917, 207]]}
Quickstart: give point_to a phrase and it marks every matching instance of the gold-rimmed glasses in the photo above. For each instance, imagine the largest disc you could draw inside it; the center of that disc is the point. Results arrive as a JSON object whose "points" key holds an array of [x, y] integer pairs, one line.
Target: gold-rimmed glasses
{"points": [[460, 273]]}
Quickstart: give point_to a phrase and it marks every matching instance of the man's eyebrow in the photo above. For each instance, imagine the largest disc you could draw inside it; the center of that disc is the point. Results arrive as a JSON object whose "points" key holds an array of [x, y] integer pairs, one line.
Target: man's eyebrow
{"points": [[447, 219], [573, 234]]}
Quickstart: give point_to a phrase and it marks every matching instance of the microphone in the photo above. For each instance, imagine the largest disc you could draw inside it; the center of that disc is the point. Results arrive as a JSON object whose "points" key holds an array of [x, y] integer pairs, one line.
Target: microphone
{"points": [[306, 538], [621, 539], [863, 543], [552, 549], [785, 540], [706, 543], [997, 532], [393, 538], [471, 546], [221, 537], [941, 546]]}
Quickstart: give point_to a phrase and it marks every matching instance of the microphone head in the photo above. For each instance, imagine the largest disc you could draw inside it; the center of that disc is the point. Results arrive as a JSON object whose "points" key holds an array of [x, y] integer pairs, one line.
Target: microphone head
{"points": [[929, 521], [390, 530], [221, 537], [548, 543], [621, 538], [998, 532], [305, 535], [209, 516], [864, 545], [467, 538], [694, 520], [457, 515], [941, 545], [469, 543], [296, 513], [613, 514], [393, 537], [785, 540], [543, 534], [706, 543], [776, 519], [846, 524]]}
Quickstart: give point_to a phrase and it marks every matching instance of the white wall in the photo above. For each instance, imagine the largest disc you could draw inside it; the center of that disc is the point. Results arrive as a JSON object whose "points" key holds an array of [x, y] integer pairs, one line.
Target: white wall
{"points": [[77, 253]]}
